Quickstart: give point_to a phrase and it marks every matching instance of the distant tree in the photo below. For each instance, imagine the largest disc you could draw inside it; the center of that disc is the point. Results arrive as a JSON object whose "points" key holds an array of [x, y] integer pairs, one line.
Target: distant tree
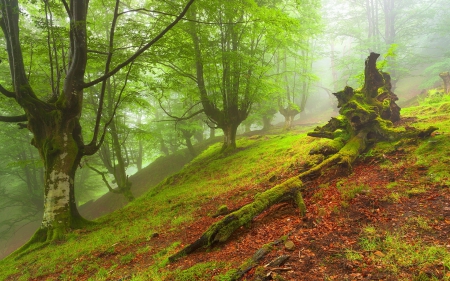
{"points": [[356, 27], [55, 121], [232, 48]]}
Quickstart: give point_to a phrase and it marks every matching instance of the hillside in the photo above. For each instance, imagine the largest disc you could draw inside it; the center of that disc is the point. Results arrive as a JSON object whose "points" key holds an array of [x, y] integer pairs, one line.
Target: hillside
{"points": [[388, 220]]}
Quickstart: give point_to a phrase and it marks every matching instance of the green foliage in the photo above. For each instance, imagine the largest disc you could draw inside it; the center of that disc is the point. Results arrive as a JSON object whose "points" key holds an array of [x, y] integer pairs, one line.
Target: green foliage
{"points": [[388, 56]]}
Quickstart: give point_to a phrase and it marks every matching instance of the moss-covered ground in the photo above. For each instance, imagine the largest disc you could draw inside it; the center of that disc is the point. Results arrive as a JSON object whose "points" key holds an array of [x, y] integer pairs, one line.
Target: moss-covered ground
{"points": [[388, 220]]}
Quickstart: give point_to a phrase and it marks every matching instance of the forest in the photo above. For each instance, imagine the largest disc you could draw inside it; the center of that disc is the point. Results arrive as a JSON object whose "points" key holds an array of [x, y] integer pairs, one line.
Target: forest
{"points": [[224, 140]]}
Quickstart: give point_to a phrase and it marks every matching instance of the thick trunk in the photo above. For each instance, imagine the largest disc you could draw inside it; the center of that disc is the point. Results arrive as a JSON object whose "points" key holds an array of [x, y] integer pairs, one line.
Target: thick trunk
{"points": [[267, 123], [288, 119], [61, 156], [229, 137]]}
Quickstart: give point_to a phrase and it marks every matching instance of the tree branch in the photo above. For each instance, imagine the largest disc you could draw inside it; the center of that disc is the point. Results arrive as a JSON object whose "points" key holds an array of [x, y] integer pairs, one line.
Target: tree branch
{"points": [[140, 51], [14, 119], [105, 180], [7, 93]]}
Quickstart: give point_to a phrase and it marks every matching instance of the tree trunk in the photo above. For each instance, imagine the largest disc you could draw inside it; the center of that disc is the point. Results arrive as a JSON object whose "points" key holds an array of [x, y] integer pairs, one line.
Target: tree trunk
{"points": [[289, 115], [248, 127], [139, 156], [267, 123], [58, 148], [445, 76], [229, 137], [187, 137], [120, 175]]}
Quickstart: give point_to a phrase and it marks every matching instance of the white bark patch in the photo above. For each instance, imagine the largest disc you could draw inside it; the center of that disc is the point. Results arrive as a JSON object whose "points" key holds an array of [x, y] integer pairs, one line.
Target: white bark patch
{"points": [[57, 199], [63, 155]]}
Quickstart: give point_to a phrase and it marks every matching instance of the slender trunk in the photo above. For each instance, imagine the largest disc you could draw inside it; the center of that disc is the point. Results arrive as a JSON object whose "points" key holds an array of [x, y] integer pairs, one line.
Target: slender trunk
{"points": [[120, 174], [139, 156], [187, 137]]}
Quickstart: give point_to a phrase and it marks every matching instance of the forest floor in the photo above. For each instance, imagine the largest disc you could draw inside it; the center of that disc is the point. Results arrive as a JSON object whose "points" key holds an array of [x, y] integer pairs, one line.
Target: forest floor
{"points": [[388, 220]]}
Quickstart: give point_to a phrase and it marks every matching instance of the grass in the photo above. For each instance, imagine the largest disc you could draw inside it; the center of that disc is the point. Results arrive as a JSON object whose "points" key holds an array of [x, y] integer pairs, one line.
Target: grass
{"points": [[392, 252], [165, 208], [96, 253]]}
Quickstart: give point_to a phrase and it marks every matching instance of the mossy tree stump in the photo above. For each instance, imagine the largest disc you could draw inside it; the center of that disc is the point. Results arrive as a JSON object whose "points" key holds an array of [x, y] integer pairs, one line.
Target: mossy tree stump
{"points": [[366, 116]]}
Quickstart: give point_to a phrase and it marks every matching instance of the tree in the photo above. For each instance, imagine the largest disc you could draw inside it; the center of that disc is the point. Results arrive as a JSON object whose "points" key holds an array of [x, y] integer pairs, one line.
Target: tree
{"points": [[365, 117], [357, 27], [232, 48], [55, 122]]}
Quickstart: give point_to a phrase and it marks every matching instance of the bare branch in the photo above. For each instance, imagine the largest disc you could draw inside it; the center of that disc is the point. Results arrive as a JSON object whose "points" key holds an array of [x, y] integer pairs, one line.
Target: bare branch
{"points": [[93, 146], [13, 119], [7, 93], [176, 119], [66, 6], [105, 180], [140, 51], [107, 65]]}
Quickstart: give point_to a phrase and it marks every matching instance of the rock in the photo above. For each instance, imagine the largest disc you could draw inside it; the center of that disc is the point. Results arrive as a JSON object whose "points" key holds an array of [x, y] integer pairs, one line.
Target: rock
{"points": [[289, 245]]}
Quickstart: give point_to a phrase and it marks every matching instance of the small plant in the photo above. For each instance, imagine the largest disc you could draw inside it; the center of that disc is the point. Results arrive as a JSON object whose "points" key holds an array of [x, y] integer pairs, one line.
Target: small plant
{"points": [[391, 185], [369, 230], [415, 191], [348, 192], [102, 273], [352, 255], [420, 222], [369, 243], [143, 250], [127, 258], [394, 197]]}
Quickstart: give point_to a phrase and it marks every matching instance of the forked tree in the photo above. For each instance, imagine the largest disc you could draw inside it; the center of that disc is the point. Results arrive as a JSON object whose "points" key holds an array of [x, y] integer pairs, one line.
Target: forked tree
{"points": [[55, 123]]}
